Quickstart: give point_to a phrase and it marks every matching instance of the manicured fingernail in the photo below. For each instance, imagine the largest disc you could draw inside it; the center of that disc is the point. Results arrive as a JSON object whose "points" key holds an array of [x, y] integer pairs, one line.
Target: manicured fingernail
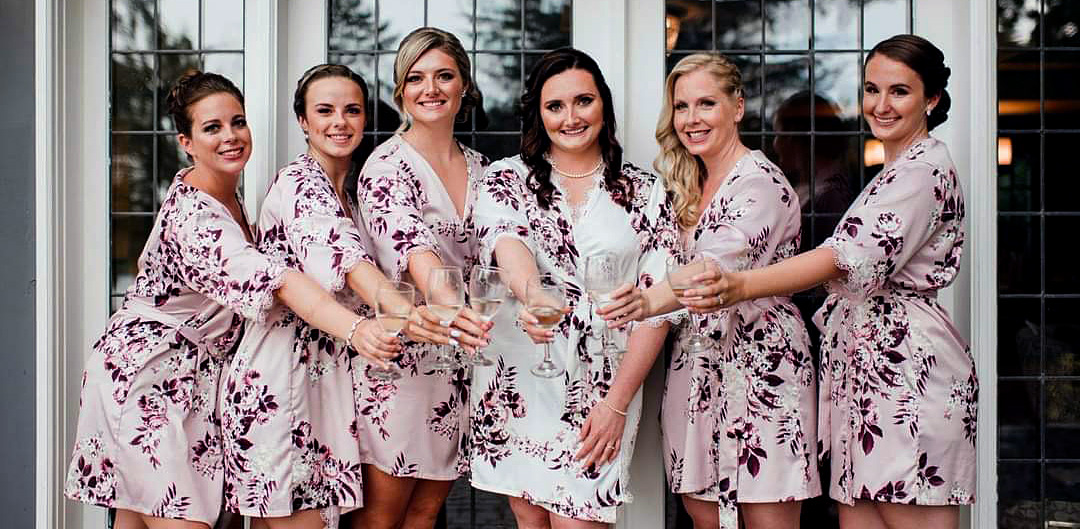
{"points": [[455, 333], [445, 323], [453, 342]]}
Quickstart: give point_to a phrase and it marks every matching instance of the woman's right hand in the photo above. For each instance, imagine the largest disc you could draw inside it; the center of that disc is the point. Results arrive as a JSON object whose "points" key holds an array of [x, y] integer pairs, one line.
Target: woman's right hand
{"points": [[372, 343], [468, 330], [531, 325]]}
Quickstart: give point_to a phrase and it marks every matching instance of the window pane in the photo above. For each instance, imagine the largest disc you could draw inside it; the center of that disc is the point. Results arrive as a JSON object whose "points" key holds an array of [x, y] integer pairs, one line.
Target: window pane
{"points": [[132, 25], [1062, 337], [836, 24], [1018, 90], [498, 24], [1019, 502], [398, 18], [836, 78], [498, 146], [1063, 492], [132, 92], [1062, 184], [223, 24], [752, 72], [385, 65], [455, 16], [787, 24], [1018, 23], [231, 65], [352, 25], [1062, 105], [1019, 172], [1062, 419], [500, 78], [689, 25], [132, 168], [1018, 419], [738, 24], [1061, 256], [836, 176], [171, 159], [129, 234], [1019, 260], [547, 24], [1019, 336], [883, 19], [786, 75], [179, 23], [1061, 19], [171, 67]]}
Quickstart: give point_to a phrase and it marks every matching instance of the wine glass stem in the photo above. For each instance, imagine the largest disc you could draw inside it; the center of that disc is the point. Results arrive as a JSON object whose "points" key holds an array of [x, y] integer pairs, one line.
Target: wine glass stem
{"points": [[547, 352]]}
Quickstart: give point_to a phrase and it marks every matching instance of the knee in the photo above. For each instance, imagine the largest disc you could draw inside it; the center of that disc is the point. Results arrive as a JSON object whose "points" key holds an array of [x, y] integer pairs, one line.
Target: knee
{"points": [[529, 516]]}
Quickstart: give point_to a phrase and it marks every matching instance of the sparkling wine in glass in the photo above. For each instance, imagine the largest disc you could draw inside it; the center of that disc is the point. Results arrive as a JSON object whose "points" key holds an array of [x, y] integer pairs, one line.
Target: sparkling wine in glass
{"points": [[546, 297], [601, 279], [445, 298], [680, 274], [393, 304], [486, 294]]}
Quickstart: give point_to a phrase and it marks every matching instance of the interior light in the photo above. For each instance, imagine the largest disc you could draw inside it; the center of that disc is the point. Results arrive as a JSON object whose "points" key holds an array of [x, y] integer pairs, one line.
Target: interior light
{"points": [[873, 152], [1004, 151]]}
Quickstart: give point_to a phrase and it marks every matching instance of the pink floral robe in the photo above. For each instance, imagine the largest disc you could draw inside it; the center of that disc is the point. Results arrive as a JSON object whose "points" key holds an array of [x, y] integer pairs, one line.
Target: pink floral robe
{"points": [[148, 438], [898, 388], [739, 424], [413, 426], [287, 414], [525, 429]]}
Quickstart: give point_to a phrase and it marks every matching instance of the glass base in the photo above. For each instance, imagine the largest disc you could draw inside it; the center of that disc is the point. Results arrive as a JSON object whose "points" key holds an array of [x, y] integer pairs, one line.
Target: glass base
{"points": [[479, 360], [699, 344], [384, 374], [547, 369]]}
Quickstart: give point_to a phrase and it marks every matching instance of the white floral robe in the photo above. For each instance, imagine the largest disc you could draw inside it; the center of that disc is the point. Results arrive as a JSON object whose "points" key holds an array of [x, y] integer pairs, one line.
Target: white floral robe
{"points": [[739, 424], [287, 413], [148, 437], [525, 429], [413, 426], [898, 390]]}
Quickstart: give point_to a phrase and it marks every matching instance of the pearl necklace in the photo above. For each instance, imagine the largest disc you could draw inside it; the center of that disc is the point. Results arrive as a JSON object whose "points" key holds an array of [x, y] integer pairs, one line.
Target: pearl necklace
{"points": [[574, 175]]}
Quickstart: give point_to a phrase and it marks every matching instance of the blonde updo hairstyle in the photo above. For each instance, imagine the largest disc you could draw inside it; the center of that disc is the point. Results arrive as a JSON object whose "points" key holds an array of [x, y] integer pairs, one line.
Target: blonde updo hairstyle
{"points": [[419, 42], [684, 174]]}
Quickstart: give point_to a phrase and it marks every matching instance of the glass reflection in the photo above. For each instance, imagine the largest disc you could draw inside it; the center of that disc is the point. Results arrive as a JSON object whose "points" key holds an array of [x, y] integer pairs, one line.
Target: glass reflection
{"points": [[132, 25], [1062, 186], [738, 24], [883, 19], [1063, 492], [785, 75], [1018, 23], [179, 25], [1061, 276], [1062, 105], [171, 158], [499, 76], [132, 92], [1019, 337], [498, 24], [1018, 419], [396, 19], [385, 66], [836, 78], [132, 173], [352, 25], [129, 234], [231, 65], [1018, 261], [1019, 501], [1018, 90], [171, 67], [691, 25], [547, 24], [1062, 419], [1062, 337], [836, 24], [455, 16], [223, 24], [1062, 21], [497, 146], [787, 24], [1018, 172]]}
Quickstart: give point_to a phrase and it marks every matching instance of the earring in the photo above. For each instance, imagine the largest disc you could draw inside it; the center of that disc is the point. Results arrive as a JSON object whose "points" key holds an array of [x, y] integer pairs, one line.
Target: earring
{"points": [[928, 111], [463, 92]]}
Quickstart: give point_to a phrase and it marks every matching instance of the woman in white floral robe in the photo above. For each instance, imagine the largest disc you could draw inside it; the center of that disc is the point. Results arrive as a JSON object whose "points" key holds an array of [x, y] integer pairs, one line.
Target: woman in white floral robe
{"points": [[898, 393]]}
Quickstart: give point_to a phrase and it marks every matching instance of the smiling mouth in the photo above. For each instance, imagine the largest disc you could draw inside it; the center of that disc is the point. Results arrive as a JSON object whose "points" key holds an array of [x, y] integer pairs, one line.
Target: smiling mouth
{"points": [[573, 132], [340, 138], [433, 104], [233, 153], [695, 136], [886, 121]]}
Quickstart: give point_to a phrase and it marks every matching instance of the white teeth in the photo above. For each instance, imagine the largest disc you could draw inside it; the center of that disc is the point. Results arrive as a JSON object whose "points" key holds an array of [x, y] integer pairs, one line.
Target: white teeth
{"points": [[432, 103], [696, 134], [574, 131]]}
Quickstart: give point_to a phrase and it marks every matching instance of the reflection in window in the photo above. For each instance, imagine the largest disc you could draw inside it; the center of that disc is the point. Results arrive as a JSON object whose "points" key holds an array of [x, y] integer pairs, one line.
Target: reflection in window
{"points": [[1038, 291], [152, 43]]}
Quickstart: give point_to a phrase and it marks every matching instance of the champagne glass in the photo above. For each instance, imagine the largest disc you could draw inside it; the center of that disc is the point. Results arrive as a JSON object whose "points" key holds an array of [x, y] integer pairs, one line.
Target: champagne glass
{"points": [[486, 293], [394, 301], [601, 279], [446, 296], [680, 274], [546, 297]]}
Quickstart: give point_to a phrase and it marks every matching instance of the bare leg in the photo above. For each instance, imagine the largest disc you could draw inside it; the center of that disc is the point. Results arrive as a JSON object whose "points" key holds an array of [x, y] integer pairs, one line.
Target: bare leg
{"points": [[427, 498], [258, 523], [562, 522], [306, 519], [134, 520], [897, 516], [777, 515], [386, 499], [705, 514], [126, 519], [862, 516], [529, 516]]}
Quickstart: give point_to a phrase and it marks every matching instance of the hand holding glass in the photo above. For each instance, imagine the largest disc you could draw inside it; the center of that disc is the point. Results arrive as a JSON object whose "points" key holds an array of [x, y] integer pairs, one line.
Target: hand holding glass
{"points": [[546, 297], [601, 278], [446, 296], [393, 304], [680, 275], [486, 293]]}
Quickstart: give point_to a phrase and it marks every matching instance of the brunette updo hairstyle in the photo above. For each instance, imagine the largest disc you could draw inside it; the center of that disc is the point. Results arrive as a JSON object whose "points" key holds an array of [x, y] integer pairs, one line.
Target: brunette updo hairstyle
{"points": [[928, 61], [190, 88], [535, 142]]}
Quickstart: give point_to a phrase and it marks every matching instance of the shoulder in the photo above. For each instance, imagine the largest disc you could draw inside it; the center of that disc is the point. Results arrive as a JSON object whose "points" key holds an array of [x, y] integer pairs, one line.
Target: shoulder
{"points": [[511, 167], [758, 173], [475, 157], [388, 154]]}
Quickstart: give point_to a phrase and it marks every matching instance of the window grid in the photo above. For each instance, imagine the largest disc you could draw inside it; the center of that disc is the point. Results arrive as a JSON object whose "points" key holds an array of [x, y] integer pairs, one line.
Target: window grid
{"points": [[124, 132], [1048, 376]]}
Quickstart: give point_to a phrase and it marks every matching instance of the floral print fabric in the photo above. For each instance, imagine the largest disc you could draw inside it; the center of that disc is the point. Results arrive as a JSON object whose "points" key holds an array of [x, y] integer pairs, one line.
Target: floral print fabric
{"points": [[287, 418], [739, 423], [525, 429], [148, 437], [413, 426], [898, 389]]}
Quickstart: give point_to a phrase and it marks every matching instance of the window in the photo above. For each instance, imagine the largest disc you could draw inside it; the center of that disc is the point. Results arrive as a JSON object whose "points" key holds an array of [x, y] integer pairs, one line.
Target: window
{"points": [[801, 62], [1038, 357], [151, 44]]}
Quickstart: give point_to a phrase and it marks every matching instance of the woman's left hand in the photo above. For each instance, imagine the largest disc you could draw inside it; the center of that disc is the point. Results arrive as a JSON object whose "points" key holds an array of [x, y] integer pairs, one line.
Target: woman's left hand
{"points": [[601, 436], [627, 305], [719, 290]]}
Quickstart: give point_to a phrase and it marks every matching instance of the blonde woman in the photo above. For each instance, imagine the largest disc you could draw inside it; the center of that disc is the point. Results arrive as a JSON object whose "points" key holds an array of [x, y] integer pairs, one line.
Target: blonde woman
{"points": [[416, 193], [738, 419]]}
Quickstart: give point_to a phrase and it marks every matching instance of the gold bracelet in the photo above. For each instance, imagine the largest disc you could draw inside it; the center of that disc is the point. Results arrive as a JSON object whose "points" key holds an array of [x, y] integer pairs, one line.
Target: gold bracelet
{"points": [[352, 331], [612, 408]]}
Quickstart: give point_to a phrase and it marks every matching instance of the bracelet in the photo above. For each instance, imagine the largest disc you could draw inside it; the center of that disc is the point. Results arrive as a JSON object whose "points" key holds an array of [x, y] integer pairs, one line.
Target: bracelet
{"points": [[612, 408], [352, 331]]}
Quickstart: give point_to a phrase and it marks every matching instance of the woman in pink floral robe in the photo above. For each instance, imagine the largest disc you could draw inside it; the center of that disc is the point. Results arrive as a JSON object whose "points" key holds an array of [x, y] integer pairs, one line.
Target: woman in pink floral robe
{"points": [[898, 391]]}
